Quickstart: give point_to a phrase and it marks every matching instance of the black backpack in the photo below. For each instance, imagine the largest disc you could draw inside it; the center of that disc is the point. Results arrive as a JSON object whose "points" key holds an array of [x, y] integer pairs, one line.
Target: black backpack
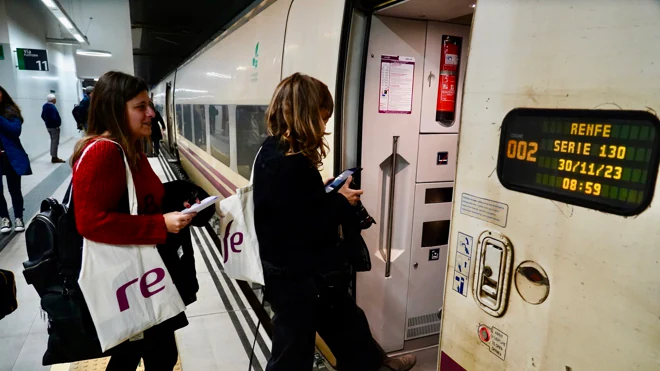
{"points": [[79, 115], [54, 249], [8, 302]]}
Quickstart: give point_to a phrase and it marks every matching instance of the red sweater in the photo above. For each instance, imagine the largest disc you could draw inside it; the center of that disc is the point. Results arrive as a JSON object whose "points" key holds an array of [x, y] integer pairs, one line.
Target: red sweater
{"points": [[98, 186]]}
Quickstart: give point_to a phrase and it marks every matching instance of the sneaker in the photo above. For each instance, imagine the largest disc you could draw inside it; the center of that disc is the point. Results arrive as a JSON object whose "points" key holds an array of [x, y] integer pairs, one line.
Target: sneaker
{"points": [[402, 363], [20, 226], [5, 225]]}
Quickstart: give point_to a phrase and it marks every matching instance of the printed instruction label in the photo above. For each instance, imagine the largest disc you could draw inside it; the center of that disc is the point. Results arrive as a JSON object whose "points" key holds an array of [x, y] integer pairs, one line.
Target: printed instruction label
{"points": [[484, 209], [397, 75], [498, 343], [460, 284], [462, 264]]}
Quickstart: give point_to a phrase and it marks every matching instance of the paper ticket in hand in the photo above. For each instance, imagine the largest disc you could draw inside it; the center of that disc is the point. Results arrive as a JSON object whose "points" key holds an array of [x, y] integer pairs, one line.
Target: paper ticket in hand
{"points": [[195, 208]]}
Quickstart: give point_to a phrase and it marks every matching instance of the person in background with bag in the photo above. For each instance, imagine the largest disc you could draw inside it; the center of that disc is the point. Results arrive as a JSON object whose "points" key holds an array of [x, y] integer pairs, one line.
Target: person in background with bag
{"points": [[120, 112], [297, 226], [14, 162], [156, 133]]}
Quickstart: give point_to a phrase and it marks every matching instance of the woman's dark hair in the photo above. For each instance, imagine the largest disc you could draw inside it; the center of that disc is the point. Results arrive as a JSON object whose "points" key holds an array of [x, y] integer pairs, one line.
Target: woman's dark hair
{"points": [[298, 111], [9, 109], [107, 113]]}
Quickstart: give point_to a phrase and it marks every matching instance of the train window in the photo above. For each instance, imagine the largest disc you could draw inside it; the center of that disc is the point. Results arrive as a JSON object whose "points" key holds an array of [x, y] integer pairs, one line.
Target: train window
{"points": [[438, 195], [605, 160], [219, 129], [179, 119], [250, 133], [187, 124], [435, 233], [199, 120]]}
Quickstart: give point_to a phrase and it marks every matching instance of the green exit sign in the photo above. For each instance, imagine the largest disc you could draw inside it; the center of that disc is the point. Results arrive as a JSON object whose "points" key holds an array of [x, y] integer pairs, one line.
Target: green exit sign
{"points": [[32, 59]]}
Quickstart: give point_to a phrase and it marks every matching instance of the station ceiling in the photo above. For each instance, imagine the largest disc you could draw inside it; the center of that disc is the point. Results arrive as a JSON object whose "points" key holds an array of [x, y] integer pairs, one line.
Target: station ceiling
{"points": [[166, 32]]}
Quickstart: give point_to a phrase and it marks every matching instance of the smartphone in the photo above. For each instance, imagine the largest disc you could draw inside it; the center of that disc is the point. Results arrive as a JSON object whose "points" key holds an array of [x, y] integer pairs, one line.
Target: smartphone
{"points": [[339, 181]]}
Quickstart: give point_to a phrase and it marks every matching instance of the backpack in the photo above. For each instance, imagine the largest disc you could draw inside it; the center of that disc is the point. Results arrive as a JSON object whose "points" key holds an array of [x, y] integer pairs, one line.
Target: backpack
{"points": [[54, 249], [79, 115], [8, 302]]}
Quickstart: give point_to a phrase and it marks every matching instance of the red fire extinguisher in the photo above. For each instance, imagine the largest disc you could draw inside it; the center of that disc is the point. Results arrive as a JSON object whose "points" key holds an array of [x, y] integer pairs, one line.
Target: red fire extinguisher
{"points": [[445, 112]]}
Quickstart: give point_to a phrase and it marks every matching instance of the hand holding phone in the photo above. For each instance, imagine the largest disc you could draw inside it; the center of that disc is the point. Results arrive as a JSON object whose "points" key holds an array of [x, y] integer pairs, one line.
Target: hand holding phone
{"points": [[352, 195], [338, 181]]}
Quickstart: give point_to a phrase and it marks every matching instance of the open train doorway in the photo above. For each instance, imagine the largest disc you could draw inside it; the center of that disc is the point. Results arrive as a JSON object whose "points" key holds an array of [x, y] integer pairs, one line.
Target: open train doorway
{"points": [[169, 107], [415, 61]]}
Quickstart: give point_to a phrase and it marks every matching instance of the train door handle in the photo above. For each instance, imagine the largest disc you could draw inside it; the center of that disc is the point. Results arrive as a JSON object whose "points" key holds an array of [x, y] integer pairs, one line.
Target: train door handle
{"points": [[390, 214], [492, 279], [431, 77]]}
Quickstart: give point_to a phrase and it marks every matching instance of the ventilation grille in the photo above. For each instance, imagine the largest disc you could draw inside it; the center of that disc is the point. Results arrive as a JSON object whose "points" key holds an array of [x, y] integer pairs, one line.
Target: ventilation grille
{"points": [[421, 326]]}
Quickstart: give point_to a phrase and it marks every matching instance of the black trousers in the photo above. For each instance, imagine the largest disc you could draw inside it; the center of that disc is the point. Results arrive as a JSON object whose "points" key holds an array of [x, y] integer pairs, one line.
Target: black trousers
{"points": [[14, 186], [158, 350], [303, 307]]}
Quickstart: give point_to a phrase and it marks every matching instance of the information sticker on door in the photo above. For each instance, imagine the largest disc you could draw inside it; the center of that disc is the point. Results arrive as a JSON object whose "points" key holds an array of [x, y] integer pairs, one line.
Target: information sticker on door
{"points": [[397, 74], [462, 264]]}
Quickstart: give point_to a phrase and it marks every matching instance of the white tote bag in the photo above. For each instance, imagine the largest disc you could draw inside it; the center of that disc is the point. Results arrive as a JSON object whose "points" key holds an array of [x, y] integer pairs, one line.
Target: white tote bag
{"points": [[126, 287], [240, 247]]}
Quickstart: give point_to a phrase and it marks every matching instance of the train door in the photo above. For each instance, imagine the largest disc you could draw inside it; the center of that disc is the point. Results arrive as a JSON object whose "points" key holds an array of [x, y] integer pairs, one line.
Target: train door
{"points": [[554, 251], [410, 122], [169, 107]]}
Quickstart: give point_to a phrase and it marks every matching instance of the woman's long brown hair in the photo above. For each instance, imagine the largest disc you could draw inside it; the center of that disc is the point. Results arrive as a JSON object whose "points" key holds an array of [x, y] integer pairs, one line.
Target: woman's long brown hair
{"points": [[9, 109], [298, 111], [107, 113]]}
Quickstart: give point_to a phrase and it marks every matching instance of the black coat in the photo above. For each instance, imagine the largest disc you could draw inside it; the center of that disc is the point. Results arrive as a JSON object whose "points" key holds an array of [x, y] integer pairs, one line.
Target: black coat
{"points": [[181, 269], [156, 134]]}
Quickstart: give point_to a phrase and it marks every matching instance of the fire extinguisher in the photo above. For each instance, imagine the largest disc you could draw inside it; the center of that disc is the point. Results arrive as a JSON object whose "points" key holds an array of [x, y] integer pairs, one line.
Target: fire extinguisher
{"points": [[445, 112]]}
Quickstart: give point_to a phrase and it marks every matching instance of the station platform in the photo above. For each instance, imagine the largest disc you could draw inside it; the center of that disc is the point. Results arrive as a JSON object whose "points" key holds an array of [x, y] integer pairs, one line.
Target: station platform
{"points": [[222, 323], [222, 327]]}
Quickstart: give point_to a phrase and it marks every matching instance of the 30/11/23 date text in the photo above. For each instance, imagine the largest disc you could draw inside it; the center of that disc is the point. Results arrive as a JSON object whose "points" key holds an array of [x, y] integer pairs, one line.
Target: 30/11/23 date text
{"points": [[590, 168]]}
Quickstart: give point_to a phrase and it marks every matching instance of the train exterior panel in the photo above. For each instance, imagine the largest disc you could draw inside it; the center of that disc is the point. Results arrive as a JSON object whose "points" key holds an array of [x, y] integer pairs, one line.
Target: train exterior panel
{"points": [[603, 303], [221, 94]]}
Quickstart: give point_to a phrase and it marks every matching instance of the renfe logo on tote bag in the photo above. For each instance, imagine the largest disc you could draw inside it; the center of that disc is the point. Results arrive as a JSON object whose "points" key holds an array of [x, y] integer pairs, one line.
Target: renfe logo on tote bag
{"points": [[122, 298], [236, 240]]}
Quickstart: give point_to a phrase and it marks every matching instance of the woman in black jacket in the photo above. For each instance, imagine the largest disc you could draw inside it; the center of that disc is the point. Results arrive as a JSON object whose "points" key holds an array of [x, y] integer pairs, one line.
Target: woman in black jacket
{"points": [[297, 227]]}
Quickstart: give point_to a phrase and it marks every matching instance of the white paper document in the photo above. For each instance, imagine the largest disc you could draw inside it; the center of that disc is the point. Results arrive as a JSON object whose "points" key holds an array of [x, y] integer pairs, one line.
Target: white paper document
{"points": [[201, 206]]}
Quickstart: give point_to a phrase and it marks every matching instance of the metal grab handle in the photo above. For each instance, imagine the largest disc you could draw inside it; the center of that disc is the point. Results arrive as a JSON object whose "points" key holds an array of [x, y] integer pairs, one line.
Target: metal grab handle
{"points": [[390, 211]]}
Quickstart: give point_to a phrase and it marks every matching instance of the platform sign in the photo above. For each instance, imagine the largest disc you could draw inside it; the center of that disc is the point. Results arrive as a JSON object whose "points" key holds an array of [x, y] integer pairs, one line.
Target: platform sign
{"points": [[32, 59]]}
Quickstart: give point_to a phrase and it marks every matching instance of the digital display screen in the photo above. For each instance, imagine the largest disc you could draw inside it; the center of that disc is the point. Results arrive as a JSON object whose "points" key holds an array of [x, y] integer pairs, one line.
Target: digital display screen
{"points": [[605, 160]]}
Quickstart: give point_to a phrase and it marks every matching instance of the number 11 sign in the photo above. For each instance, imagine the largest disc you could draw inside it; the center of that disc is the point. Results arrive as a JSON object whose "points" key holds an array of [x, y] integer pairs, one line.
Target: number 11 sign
{"points": [[32, 59]]}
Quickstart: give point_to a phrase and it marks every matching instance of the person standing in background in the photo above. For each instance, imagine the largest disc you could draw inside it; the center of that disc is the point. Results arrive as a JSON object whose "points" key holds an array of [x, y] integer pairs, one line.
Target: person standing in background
{"points": [[14, 162], [81, 111], [51, 117], [156, 134]]}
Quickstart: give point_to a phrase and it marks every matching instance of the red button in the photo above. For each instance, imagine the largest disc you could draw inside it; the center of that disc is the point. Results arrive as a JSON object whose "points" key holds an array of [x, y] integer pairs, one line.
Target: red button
{"points": [[484, 334]]}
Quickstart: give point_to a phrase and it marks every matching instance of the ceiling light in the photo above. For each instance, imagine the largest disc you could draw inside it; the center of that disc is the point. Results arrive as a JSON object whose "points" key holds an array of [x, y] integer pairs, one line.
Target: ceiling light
{"points": [[45, 77], [58, 12], [65, 22], [49, 3], [93, 53], [96, 79], [473, 5]]}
